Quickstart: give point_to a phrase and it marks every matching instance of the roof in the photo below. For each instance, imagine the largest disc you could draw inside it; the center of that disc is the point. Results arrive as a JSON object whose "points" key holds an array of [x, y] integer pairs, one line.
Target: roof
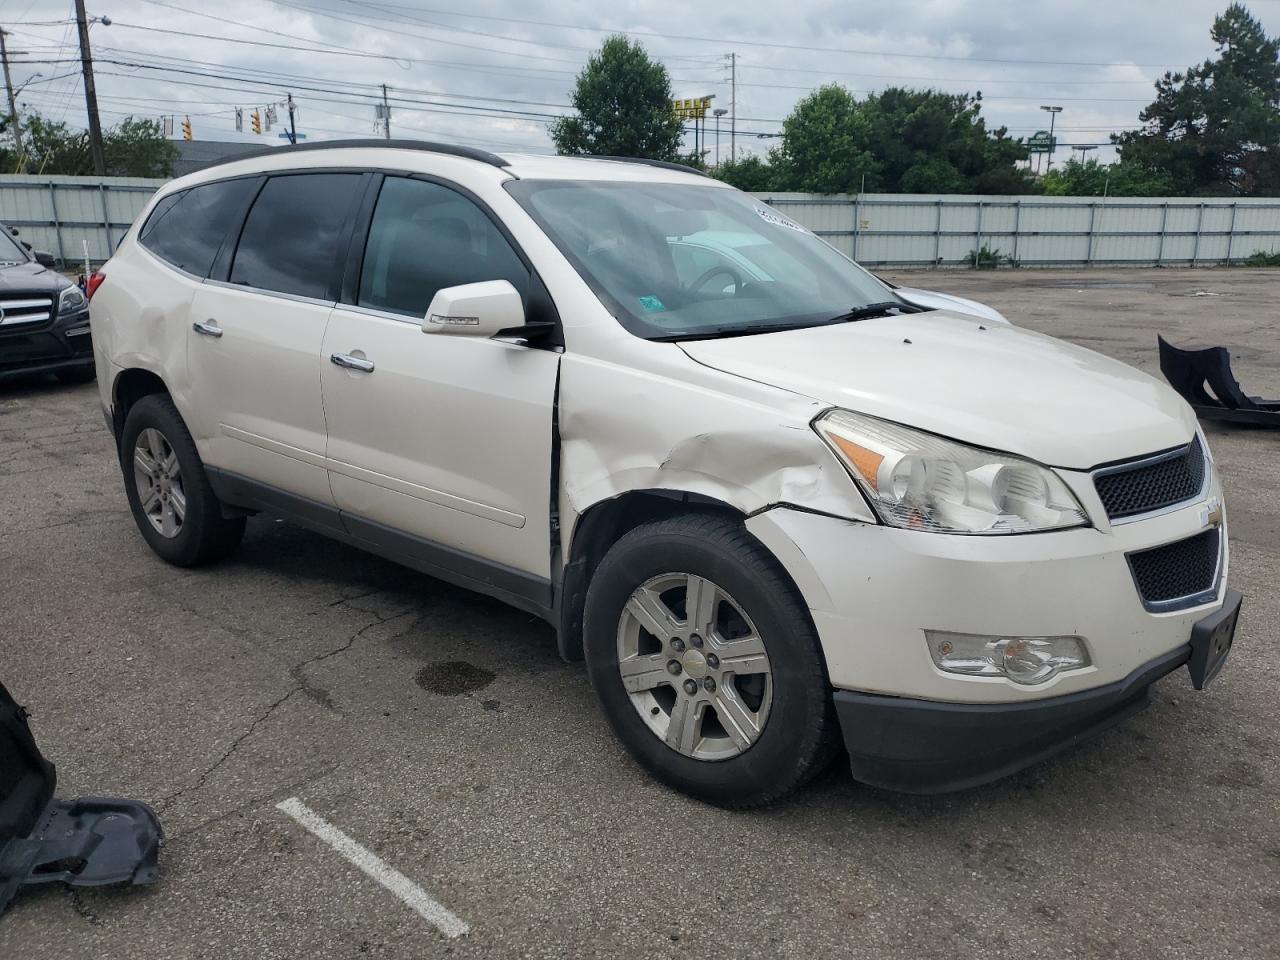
{"points": [[195, 155], [517, 165]]}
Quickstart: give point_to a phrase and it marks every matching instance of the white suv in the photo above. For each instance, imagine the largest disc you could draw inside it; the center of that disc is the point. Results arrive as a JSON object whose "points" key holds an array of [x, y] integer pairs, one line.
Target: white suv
{"points": [[771, 503]]}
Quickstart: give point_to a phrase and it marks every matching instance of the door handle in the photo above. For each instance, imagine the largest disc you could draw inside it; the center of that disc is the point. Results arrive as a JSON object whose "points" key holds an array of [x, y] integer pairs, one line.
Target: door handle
{"points": [[352, 363], [209, 329]]}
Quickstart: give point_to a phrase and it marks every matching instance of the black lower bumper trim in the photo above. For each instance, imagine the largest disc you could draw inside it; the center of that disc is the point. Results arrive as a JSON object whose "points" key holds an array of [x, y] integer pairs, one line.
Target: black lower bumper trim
{"points": [[927, 746]]}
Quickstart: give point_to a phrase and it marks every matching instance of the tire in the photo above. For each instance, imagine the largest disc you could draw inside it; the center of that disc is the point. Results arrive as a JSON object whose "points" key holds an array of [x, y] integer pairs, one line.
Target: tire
{"points": [[203, 534], [85, 373], [795, 733]]}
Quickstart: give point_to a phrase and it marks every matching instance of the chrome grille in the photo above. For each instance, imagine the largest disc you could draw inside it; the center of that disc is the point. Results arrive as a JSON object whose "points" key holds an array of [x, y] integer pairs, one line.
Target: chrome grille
{"points": [[1178, 574], [1153, 483], [20, 309]]}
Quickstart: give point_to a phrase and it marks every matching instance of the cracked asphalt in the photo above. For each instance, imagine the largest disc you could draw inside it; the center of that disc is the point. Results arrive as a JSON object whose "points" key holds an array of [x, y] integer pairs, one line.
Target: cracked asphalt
{"points": [[440, 730]]}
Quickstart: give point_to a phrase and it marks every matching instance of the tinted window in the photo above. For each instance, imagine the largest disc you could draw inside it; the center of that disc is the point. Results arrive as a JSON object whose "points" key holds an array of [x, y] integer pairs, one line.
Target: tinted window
{"points": [[187, 228], [291, 238], [424, 237]]}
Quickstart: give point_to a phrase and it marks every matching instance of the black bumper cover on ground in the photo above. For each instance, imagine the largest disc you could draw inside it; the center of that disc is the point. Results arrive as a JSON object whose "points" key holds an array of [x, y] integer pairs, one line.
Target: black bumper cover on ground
{"points": [[925, 746]]}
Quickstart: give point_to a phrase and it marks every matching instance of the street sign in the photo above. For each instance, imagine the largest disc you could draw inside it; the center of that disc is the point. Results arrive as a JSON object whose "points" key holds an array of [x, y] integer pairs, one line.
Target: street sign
{"points": [[1041, 142], [284, 136]]}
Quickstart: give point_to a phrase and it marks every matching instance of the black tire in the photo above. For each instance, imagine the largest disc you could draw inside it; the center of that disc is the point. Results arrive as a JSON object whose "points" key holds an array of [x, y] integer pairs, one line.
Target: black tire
{"points": [[205, 535], [799, 737], [85, 373]]}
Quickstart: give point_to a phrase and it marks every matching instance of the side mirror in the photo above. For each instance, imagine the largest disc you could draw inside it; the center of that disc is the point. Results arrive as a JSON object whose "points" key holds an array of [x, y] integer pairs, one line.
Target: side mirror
{"points": [[45, 259], [475, 310]]}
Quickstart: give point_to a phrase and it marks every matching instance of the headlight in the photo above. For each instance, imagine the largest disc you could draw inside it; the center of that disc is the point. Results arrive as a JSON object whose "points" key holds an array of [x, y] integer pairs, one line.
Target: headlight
{"points": [[920, 481], [72, 300], [1022, 659]]}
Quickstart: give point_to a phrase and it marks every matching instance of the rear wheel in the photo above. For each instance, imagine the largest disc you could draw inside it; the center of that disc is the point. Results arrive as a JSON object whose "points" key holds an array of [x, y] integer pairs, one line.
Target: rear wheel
{"points": [[173, 505], [706, 663]]}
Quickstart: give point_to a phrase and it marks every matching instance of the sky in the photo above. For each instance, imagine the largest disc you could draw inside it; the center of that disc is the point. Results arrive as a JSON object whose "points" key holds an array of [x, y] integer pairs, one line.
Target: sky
{"points": [[492, 73]]}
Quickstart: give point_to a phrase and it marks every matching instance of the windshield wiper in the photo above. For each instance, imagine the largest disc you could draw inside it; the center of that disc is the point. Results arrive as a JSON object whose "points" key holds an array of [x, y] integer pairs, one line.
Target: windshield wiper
{"points": [[732, 330], [882, 308]]}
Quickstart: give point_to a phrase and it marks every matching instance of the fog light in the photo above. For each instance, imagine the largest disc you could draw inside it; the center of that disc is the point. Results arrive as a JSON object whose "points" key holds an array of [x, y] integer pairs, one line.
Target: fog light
{"points": [[1021, 659]]}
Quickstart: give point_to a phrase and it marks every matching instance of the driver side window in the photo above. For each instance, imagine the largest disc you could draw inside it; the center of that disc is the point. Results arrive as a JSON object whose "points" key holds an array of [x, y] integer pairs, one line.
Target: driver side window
{"points": [[424, 237]]}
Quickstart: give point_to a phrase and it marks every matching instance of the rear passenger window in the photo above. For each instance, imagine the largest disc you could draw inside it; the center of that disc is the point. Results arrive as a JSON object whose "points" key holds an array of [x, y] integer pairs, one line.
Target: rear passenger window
{"points": [[186, 229], [291, 238], [424, 237]]}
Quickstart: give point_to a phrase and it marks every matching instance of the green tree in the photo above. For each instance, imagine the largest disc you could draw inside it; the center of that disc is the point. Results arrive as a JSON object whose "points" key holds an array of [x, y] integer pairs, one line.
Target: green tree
{"points": [[901, 141], [824, 145], [623, 99], [1214, 129], [752, 173], [1094, 179], [138, 148], [132, 148]]}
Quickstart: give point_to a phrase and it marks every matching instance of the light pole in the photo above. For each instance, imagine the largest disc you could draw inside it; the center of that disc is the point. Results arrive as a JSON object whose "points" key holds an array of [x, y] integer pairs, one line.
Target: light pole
{"points": [[719, 112], [1053, 115], [1084, 148]]}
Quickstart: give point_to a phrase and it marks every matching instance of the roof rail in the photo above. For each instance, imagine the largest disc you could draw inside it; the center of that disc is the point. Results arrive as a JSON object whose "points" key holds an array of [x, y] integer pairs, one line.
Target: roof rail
{"points": [[664, 164], [425, 146]]}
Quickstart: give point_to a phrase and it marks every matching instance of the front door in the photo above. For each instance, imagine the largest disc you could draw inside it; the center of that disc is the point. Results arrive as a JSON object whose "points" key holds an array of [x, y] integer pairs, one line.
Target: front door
{"points": [[441, 445]]}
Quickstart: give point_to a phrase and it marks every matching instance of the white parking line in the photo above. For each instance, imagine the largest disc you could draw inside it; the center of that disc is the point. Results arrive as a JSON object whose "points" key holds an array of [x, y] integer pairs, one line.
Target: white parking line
{"points": [[374, 866]]}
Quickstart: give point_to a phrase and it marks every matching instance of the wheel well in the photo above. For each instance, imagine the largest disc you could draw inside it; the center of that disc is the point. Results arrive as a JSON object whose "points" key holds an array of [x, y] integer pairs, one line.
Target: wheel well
{"points": [[130, 387], [598, 529]]}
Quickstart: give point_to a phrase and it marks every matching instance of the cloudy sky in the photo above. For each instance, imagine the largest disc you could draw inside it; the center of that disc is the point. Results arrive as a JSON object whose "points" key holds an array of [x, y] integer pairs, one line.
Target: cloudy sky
{"points": [[492, 72]]}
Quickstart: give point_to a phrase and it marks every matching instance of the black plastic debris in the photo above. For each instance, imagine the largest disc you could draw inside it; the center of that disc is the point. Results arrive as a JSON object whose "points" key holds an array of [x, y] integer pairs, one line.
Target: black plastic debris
{"points": [[1190, 371], [91, 841]]}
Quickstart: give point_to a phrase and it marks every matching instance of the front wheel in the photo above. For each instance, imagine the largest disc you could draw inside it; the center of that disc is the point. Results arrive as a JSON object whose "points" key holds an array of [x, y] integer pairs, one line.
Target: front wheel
{"points": [[173, 504], [706, 663]]}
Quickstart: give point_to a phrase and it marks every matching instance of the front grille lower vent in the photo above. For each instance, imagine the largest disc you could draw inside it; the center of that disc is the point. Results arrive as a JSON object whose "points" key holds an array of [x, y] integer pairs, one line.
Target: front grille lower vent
{"points": [[1182, 573], [1153, 483]]}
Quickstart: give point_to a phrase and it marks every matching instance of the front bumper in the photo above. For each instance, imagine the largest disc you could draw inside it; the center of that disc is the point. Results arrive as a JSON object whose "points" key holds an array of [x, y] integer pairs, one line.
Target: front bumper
{"points": [[873, 591], [923, 746], [58, 344]]}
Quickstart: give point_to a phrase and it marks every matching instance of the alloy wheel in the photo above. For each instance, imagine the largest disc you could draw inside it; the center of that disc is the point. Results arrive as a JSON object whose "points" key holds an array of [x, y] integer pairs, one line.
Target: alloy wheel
{"points": [[695, 667], [159, 482]]}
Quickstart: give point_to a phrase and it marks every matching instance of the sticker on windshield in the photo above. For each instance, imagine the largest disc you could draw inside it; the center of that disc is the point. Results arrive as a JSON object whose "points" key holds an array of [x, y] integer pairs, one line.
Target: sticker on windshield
{"points": [[772, 216], [652, 304]]}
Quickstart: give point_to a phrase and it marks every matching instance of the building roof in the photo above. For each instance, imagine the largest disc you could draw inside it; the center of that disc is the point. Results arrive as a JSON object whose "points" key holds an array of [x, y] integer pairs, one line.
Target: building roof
{"points": [[195, 155]]}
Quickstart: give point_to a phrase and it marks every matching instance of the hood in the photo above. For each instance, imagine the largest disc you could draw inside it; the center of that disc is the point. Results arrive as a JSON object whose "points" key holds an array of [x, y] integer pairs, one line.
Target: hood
{"points": [[992, 385], [30, 278]]}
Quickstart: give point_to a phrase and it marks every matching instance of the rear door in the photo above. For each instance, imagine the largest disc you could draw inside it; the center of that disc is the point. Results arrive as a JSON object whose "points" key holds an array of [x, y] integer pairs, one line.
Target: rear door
{"points": [[257, 328], [442, 447]]}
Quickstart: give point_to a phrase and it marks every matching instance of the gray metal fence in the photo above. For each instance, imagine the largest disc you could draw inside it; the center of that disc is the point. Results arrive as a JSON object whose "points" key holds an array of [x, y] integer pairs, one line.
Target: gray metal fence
{"points": [[922, 230], [67, 215]]}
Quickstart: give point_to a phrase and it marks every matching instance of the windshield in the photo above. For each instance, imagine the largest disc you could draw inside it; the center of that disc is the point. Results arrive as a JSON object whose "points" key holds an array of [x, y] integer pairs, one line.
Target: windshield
{"points": [[10, 252], [685, 260]]}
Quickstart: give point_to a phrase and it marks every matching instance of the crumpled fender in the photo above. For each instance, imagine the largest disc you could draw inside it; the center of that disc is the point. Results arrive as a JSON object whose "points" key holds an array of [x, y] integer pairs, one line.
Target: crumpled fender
{"points": [[695, 430]]}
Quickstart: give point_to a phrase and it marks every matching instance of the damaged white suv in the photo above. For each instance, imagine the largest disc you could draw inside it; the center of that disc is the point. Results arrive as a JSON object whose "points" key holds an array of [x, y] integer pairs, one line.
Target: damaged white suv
{"points": [[774, 505]]}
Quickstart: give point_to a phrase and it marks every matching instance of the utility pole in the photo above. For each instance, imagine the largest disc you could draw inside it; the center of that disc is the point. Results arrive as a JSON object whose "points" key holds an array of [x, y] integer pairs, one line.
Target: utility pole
{"points": [[293, 129], [386, 113], [733, 103], [13, 105], [90, 94]]}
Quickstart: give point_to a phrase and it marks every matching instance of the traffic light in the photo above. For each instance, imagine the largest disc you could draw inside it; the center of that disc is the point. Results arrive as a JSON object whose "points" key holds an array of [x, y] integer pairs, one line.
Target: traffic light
{"points": [[186, 128], [256, 117]]}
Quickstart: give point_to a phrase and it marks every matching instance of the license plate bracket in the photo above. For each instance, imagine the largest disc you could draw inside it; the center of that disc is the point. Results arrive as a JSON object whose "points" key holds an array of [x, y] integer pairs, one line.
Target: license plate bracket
{"points": [[1211, 640]]}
